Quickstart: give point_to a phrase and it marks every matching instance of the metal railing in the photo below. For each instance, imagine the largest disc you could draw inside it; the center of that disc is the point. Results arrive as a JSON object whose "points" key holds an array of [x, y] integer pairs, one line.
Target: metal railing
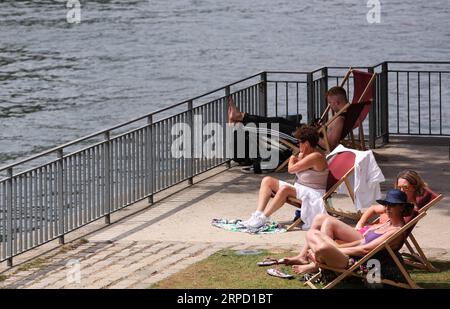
{"points": [[43, 203], [42, 198], [419, 92]]}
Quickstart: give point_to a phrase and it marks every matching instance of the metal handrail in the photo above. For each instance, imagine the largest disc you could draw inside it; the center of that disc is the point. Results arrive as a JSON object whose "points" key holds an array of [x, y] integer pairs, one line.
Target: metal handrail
{"points": [[123, 124], [419, 62], [418, 71]]}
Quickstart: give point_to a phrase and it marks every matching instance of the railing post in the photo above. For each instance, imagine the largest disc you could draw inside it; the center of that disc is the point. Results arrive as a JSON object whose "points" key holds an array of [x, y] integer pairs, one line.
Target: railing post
{"points": [[191, 159], [263, 94], [107, 161], [384, 102], [60, 179], [324, 89], [372, 114], [310, 99], [224, 135], [9, 200], [150, 159]]}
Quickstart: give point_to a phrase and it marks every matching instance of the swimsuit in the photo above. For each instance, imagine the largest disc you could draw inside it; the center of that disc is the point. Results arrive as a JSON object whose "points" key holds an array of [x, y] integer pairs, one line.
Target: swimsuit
{"points": [[371, 236]]}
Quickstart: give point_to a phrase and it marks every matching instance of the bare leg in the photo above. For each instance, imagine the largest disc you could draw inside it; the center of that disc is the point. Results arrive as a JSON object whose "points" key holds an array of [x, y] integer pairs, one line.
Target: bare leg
{"points": [[279, 199], [316, 225], [304, 269], [325, 250], [268, 185], [336, 229], [234, 115], [296, 260], [309, 267]]}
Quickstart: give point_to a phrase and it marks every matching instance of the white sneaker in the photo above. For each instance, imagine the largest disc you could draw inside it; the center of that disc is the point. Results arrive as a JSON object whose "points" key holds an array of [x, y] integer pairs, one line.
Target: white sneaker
{"points": [[255, 214], [257, 221], [244, 223]]}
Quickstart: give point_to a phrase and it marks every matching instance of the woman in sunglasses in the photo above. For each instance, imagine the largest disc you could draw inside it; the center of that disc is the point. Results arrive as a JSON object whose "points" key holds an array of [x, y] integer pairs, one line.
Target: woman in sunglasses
{"points": [[311, 170], [407, 181]]}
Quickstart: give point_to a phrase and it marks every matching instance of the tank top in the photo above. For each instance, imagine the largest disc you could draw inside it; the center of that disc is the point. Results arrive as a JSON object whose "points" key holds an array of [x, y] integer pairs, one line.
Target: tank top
{"points": [[313, 179]]}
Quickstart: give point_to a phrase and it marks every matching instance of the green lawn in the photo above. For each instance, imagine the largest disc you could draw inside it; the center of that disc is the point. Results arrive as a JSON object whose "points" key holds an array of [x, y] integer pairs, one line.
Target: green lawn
{"points": [[229, 270]]}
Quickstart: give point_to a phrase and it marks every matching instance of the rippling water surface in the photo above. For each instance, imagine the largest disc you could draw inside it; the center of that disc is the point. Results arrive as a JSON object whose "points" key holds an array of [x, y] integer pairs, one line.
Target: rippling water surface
{"points": [[60, 81]]}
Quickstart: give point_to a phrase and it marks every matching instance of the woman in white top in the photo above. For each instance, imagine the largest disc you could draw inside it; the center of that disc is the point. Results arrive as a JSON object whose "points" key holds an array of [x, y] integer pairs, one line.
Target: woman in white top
{"points": [[311, 170]]}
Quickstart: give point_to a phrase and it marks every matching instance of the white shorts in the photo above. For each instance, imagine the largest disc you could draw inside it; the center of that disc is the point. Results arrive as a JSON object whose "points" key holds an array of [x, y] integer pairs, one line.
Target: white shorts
{"points": [[312, 202]]}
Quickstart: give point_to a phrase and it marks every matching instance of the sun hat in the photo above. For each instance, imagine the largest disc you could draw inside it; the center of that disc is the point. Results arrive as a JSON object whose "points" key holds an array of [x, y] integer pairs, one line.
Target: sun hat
{"points": [[395, 197]]}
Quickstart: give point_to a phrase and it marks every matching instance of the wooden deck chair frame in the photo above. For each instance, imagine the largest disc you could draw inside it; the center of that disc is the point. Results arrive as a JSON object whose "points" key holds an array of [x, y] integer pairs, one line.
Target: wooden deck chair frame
{"points": [[324, 128], [339, 212], [326, 197], [295, 151], [386, 245], [416, 257]]}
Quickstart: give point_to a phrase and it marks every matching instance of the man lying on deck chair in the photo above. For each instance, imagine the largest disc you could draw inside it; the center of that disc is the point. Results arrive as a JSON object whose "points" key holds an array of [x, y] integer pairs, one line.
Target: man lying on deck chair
{"points": [[336, 97]]}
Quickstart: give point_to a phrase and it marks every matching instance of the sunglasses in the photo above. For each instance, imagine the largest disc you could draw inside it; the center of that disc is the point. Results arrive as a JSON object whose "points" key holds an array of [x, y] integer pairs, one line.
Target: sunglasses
{"points": [[392, 205], [405, 188]]}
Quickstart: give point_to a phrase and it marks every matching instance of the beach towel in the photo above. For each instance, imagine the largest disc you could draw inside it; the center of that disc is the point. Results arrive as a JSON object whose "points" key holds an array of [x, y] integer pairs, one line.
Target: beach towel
{"points": [[237, 226]]}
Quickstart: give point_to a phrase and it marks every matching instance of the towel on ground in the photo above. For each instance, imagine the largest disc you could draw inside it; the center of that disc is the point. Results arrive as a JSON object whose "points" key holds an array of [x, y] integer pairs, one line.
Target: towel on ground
{"points": [[237, 226]]}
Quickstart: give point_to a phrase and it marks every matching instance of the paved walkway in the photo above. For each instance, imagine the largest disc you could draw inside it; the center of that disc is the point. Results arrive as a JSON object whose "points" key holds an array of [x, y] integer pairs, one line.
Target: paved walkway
{"points": [[156, 242]]}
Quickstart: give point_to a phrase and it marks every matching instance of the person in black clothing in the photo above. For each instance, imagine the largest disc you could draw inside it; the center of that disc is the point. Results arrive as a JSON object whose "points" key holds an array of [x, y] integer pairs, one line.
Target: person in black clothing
{"points": [[336, 97]]}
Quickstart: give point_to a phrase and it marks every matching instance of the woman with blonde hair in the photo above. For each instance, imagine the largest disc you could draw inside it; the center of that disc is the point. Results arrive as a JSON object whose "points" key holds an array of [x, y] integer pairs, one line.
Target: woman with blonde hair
{"points": [[408, 181]]}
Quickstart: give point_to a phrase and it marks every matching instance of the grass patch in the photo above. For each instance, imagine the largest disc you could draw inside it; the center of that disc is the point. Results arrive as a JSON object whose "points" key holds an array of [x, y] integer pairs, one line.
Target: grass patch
{"points": [[35, 264], [3, 278], [427, 280], [228, 270]]}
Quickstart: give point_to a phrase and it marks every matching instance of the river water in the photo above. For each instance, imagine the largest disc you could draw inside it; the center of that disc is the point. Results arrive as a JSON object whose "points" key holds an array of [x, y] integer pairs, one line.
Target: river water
{"points": [[60, 81]]}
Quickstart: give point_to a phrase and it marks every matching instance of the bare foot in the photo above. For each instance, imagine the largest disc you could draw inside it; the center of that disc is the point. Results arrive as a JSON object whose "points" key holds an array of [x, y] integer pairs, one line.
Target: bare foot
{"points": [[305, 269], [234, 115], [295, 260], [311, 256]]}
